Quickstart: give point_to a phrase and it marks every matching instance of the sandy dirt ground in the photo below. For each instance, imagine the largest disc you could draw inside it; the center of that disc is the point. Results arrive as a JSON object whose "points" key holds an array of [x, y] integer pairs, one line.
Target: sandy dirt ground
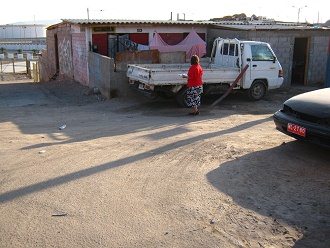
{"points": [[127, 172]]}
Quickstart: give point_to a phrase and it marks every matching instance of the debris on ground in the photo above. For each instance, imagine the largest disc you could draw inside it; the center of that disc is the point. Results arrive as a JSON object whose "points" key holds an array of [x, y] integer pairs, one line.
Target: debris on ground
{"points": [[62, 127]]}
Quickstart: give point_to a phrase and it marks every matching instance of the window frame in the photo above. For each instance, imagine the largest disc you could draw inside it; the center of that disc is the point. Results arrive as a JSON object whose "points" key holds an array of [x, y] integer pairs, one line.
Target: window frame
{"points": [[263, 55]]}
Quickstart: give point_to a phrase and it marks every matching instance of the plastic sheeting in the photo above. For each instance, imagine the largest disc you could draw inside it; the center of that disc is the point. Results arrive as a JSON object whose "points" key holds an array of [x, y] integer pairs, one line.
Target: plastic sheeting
{"points": [[192, 44]]}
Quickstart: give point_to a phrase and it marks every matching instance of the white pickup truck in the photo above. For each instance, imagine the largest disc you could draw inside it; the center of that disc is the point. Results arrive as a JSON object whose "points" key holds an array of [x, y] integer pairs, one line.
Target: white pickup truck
{"points": [[228, 58]]}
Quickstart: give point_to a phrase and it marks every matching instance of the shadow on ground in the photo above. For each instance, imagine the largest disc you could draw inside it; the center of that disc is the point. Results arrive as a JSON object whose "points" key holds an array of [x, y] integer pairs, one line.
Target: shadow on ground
{"points": [[16, 193], [276, 183], [42, 108]]}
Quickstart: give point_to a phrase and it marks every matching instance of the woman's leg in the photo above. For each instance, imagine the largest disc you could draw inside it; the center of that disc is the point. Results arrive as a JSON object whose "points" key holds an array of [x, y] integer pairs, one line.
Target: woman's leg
{"points": [[193, 99], [194, 109]]}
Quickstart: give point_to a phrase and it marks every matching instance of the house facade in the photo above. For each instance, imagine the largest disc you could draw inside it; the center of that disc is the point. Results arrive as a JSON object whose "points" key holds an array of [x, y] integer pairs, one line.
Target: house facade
{"points": [[69, 42], [301, 49]]}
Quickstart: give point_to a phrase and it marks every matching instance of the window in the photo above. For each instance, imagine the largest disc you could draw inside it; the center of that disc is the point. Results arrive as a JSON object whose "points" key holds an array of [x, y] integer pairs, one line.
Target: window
{"points": [[224, 49], [229, 49], [233, 50], [261, 53]]}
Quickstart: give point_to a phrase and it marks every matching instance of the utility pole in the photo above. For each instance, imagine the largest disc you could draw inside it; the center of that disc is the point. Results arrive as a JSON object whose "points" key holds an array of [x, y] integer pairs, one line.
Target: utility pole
{"points": [[299, 9]]}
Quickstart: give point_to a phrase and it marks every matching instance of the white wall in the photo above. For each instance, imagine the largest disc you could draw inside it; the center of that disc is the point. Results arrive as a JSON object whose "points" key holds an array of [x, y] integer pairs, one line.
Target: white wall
{"points": [[22, 31]]}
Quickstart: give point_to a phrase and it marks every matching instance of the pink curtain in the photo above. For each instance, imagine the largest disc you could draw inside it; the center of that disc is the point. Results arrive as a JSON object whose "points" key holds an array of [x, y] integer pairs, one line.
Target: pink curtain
{"points": [[192, 44]]}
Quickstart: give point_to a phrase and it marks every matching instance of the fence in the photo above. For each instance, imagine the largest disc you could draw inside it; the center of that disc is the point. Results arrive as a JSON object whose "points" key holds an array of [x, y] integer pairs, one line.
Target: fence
{"points": [[20, 63]]}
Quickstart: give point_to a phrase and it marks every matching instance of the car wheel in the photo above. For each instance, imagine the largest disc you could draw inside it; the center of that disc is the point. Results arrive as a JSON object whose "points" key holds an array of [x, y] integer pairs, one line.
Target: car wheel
{"points": [[257, 90], [181, 97]]}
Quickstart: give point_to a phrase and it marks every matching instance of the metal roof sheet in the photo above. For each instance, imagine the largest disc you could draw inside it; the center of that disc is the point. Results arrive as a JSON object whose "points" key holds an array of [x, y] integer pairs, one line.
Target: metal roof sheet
{"points": [[234, 25], [267, 26], [116, 21]]}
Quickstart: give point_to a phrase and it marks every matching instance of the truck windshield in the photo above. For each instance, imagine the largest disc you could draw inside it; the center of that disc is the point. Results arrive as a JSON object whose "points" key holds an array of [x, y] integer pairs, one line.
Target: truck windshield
{"points": [[261, 53]]}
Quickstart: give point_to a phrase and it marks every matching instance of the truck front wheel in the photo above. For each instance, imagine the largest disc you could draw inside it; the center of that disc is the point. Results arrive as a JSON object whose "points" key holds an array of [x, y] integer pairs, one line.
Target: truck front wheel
{"points": [[257, 90]]}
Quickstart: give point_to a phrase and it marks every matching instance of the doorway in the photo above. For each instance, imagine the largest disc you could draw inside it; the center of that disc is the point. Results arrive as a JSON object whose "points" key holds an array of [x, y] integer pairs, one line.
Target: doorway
{"points": [[118, 43], [56, 55], [299, 62]]}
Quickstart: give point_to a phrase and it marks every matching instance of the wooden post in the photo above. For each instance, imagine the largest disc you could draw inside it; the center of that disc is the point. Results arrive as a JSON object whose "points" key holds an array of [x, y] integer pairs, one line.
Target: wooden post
{"points": [[13, 66], [28, 68], [231, 87], [37, 71], [34, 72]]}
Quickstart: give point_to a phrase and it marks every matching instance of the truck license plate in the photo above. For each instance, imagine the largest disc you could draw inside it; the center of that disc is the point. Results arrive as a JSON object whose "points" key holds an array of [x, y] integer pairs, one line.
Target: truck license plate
{"points": [[293, 128]]}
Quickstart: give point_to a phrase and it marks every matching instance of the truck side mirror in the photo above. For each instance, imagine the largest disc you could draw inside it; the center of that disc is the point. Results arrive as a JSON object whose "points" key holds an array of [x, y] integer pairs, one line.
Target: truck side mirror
{"points": [[274, 59], [248, 59]]}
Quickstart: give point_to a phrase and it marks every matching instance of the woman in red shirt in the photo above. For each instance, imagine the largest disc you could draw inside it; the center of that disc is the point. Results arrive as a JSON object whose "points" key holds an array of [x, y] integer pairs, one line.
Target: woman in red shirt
{"points": [[194, 85]]}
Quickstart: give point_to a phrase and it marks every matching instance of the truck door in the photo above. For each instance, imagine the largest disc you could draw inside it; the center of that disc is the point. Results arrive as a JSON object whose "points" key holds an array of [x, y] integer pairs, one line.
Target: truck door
{"points": [[263, 65]]}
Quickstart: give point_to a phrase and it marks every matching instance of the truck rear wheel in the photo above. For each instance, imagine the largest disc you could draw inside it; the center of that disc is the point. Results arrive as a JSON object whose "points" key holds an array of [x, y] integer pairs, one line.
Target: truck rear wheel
{"points": [[257, 90], [181, 97]]}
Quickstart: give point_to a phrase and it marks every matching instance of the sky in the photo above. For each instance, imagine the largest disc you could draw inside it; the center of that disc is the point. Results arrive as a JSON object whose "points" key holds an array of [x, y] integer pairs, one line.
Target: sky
{"points": [[280, 10]]}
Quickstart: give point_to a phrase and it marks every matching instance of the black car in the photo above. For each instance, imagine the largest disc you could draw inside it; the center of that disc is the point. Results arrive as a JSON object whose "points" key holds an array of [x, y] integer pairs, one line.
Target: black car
{"points": [[306, 117]]}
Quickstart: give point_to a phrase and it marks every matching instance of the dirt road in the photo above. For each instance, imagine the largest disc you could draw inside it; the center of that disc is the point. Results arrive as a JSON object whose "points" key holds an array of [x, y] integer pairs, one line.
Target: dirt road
{"points": [[129, 173]]}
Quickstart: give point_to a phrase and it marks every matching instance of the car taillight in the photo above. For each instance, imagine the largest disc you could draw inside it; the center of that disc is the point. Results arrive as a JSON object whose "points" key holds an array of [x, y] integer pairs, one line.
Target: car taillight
{"points": [[280, 73]]}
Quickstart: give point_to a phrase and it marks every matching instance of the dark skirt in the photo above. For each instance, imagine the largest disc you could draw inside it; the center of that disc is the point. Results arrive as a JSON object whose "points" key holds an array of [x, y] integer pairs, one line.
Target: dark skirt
{"points": [[194, 96]]}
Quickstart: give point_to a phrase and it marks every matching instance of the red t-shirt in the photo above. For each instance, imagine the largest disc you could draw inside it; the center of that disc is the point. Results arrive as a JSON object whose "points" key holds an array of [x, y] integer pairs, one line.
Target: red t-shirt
{"points": [[195, 74]]}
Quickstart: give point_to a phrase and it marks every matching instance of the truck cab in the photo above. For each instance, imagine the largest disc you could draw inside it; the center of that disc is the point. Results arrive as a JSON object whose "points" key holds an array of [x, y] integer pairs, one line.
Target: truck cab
{"points": [[264, 72]]}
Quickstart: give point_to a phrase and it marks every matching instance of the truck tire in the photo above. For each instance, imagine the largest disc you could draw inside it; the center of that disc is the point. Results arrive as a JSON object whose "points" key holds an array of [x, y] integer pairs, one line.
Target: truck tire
{"points": [[181, 97], [257, 90]]}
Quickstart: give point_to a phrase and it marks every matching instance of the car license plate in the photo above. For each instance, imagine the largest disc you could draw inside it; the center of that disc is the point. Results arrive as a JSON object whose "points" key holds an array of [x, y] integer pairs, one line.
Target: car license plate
{"points": [[293, 128]]}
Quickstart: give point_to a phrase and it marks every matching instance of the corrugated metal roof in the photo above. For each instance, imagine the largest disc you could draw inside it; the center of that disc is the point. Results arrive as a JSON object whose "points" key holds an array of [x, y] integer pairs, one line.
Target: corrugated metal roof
{"points": [[266, 26], [233, 25], [113, 21]]}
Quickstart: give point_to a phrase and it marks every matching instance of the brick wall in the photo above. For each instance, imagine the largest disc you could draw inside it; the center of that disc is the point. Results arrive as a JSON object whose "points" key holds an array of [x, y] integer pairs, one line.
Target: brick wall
{"points": [[65, 53], [72, 55], [47, 60], [79, 56]]}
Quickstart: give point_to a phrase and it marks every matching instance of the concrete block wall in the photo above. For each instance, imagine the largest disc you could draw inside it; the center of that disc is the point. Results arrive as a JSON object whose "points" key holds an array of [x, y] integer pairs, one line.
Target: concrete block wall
{"points": [[119, 84], [100, 68], [80, 58], [318, 59], [102, 75], [282, 42], [282, 46]]}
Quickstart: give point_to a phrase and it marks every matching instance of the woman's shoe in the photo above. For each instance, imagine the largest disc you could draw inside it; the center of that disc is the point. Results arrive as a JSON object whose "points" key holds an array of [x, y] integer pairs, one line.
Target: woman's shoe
{"points": [[194, 113]]}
